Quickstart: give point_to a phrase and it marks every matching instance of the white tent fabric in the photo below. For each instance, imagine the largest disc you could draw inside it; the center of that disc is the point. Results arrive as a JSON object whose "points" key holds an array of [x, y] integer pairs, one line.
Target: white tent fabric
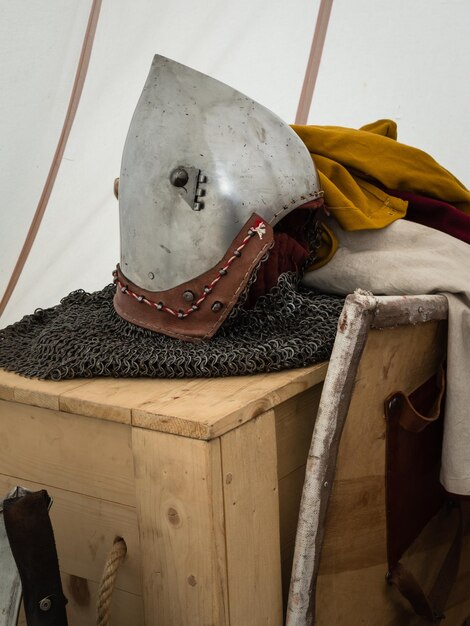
{"points": [[409, 258], [246, 44], [390, 58], [405, 61]]}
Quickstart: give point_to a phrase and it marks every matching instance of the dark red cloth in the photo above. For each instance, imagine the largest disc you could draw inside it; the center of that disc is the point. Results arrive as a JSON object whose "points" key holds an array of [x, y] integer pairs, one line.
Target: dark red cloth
{"points": [[435, 214], [290, 251]]}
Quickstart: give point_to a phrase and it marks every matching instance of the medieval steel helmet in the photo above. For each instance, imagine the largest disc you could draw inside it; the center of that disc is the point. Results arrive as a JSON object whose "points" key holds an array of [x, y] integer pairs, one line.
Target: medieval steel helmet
{"points": [[206, 173]]}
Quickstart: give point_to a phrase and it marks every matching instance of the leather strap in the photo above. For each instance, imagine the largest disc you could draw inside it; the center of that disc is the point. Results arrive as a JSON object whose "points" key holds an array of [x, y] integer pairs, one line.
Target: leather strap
{"points": [[414, 495], [31, 538], [431, 607], [412, 420], [408, 586], [150, 309]]}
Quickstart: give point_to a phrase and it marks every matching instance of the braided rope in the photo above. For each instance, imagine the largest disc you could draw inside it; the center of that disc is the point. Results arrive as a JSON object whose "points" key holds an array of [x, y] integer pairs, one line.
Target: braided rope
{"points": [[115, 558]]}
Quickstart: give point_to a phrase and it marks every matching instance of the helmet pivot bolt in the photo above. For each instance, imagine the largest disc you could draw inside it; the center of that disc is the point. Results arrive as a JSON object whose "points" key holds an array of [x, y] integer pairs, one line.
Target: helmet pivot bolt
{"points": [[179, 177], [217, 306], [188, 296]]}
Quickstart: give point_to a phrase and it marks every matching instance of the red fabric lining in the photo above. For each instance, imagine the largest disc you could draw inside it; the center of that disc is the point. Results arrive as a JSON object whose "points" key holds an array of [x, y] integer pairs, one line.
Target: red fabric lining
{"points": [[290, 251], [435, 214]]}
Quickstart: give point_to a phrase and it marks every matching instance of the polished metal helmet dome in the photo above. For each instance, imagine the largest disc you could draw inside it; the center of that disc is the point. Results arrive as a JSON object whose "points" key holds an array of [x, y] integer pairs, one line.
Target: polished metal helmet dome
{"points": [[201, 163]]}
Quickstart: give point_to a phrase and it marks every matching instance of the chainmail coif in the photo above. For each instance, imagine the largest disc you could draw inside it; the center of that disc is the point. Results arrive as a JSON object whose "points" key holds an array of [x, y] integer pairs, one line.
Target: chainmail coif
{"points": [[292, 326]]}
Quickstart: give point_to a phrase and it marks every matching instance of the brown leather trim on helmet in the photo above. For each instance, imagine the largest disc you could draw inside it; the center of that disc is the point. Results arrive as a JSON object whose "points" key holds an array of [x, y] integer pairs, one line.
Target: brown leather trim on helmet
{"points": [[204, 322]]}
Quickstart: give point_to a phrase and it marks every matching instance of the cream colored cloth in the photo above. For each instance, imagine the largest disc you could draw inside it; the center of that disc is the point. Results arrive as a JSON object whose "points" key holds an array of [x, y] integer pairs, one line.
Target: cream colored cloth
{"points": [[410, 259]]}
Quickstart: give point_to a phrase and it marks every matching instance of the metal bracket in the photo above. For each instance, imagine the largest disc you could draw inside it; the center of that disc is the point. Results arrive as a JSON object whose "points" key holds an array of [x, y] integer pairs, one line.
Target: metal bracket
{"points": [[192, 192]]}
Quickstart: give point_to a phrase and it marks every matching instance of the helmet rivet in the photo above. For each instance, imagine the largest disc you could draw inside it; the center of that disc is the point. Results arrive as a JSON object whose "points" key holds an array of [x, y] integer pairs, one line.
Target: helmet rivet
{"points": [[188, 296], [151, 275], [216, 307], [179, 177]]}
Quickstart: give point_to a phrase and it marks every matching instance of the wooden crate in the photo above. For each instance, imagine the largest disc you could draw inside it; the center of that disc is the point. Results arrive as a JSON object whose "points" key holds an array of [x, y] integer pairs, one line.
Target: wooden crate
{"points": [[202, 478]]}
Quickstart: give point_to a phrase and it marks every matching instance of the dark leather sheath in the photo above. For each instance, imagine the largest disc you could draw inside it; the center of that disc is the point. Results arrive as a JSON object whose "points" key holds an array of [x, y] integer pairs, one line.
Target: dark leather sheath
{"points": [[31, 538]]}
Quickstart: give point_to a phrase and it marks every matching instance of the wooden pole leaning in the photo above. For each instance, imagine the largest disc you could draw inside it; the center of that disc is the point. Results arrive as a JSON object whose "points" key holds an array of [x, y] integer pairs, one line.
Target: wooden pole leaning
{"points": [[362, 312]]}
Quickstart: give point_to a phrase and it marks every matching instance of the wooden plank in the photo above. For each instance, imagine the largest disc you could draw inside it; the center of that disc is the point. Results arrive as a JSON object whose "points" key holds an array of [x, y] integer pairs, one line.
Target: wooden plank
{"points": [[43, 393], [199, 408], [112, 398], [66, 451], [355, 535], [295, 419], [180, 510], [7, 385], [361, 596], [252, 522], [21, 617], [394, 359], [353, 558], [394, 311], [205, 409], [85, 529], [360, 501], [290, 493], [126, 608]]}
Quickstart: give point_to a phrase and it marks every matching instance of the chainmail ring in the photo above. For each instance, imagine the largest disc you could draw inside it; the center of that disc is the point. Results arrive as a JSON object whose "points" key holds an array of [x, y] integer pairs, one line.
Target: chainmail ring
{"points": [[82, 337]]}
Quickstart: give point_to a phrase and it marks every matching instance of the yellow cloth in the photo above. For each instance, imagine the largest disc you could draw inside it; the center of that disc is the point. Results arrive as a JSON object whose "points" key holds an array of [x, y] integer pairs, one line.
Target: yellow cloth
{"points": [[350, 161], [356, 203], [326, 250]]}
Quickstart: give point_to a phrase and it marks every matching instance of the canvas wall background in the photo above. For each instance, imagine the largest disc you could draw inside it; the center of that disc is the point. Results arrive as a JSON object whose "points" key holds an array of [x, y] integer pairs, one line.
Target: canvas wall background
{"points": [[382, 58]]}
